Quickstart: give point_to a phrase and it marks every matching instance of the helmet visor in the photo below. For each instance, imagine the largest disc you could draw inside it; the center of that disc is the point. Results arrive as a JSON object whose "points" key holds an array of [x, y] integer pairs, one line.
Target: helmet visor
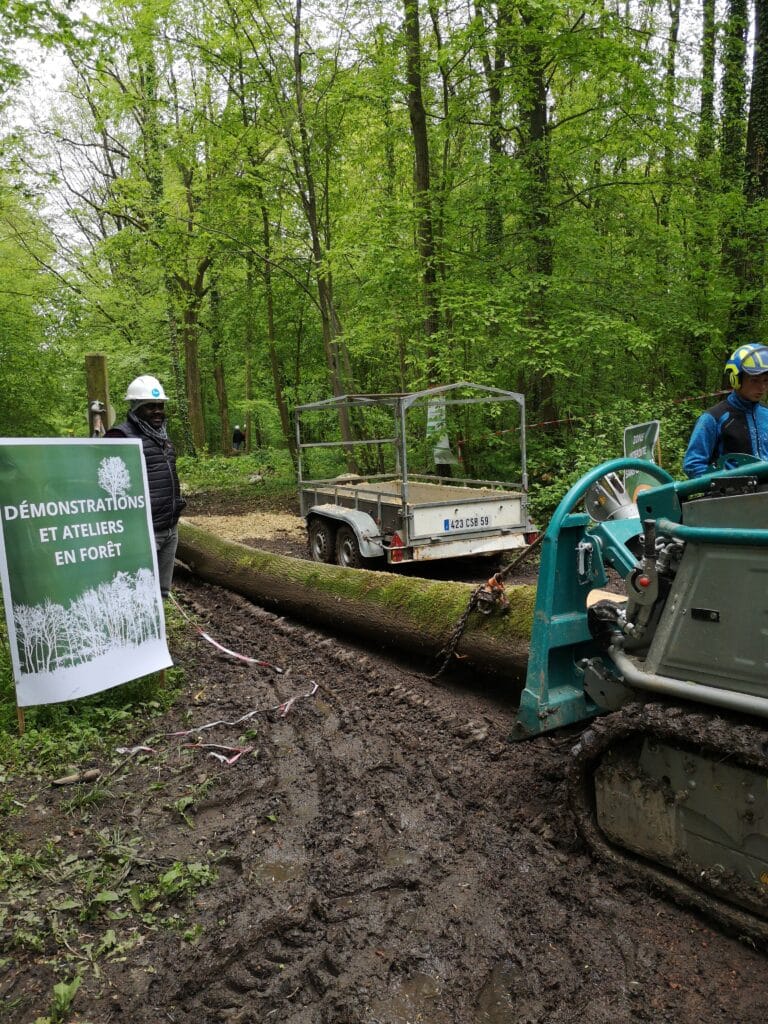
{"points": [[756, 362]]}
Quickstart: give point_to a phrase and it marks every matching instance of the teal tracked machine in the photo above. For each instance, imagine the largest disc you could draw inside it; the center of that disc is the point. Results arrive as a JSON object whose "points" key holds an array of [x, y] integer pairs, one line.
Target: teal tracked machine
{"points": [[670, 779]]}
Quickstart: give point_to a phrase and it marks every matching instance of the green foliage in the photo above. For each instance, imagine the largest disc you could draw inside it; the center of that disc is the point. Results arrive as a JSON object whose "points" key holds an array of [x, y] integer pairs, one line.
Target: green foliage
{"points": [[559, 457], [30, 355], [234, 473], [180, 880], [578, 259], [74, 732], [75, 896], [91, 902], [63, 996]]}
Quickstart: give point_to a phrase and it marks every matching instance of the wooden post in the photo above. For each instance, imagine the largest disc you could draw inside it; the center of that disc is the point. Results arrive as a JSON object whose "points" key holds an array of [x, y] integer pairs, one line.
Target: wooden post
{"points": [[20, 717], [100, 413]]}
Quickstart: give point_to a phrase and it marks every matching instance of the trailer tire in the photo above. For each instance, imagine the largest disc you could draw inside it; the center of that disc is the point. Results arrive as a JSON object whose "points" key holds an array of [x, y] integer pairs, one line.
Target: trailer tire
{"points": [[322, 538], [348, 549]]}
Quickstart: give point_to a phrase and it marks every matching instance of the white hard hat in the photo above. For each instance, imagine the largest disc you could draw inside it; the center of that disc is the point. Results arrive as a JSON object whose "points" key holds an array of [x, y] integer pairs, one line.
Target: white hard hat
{"points": [[145, 389]]}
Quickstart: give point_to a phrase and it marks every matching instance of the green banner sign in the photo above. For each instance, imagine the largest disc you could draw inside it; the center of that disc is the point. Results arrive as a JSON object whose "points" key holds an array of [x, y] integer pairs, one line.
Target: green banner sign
{"points": [[640, 442], [79, 569]]}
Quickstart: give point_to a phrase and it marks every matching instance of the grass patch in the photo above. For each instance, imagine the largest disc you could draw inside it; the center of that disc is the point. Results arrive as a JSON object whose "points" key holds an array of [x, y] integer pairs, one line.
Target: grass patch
{"points": [[73, 893], [235, 474]]}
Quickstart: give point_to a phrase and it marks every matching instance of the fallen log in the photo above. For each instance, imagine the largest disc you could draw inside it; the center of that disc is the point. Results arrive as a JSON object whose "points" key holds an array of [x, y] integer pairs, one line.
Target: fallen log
{"points": [[389, 610]]}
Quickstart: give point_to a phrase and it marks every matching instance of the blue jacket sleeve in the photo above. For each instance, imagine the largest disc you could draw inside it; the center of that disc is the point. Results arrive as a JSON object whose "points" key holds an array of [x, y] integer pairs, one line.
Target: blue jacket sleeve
{"points": [[700, 452], [762, 431]]}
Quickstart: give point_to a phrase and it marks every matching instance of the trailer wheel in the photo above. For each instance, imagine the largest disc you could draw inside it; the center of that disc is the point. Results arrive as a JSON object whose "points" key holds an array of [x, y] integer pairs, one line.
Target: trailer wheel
{"points": [[321, 540], [348, 549]]}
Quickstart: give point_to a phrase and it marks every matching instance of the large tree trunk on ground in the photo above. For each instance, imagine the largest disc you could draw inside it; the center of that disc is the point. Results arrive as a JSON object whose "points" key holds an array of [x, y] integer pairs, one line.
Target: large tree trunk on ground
{"points": [[405, 612]]}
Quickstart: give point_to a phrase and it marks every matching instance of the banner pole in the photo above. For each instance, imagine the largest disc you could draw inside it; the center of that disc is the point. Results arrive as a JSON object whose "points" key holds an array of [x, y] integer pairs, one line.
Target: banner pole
{"points": [[20, 717]]}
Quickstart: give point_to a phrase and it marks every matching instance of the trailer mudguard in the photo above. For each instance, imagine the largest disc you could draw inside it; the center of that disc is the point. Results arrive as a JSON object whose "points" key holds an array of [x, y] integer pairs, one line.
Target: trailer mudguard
{"points": [[366, 530]]}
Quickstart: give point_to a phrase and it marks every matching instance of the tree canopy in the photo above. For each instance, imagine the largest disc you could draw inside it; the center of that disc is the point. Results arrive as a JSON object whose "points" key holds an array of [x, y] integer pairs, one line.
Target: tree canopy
{"points": [[271, 202]]}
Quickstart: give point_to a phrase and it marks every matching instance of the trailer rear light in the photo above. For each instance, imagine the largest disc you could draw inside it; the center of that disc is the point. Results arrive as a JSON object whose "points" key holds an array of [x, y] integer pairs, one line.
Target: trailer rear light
{"points": [[396, 548]]}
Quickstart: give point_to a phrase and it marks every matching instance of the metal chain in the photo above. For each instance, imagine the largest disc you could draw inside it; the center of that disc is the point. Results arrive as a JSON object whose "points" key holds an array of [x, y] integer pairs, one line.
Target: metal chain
{"points": [[495, 589], [521, 557], [453, 641]]}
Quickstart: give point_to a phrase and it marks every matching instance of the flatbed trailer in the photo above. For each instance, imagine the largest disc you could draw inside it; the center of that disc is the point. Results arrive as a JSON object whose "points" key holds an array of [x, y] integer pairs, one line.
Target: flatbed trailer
{"points": [[404, 516]]}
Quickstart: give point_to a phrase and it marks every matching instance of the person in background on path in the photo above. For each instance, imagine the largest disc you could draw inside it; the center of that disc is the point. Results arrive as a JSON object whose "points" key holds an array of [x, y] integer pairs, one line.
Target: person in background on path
{"points": [[238, 439], [739, 424], [146, 420]]}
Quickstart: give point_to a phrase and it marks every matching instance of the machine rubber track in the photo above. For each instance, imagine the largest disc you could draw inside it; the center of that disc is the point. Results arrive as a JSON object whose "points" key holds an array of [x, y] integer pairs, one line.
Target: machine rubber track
{"points": [[718, 735]]}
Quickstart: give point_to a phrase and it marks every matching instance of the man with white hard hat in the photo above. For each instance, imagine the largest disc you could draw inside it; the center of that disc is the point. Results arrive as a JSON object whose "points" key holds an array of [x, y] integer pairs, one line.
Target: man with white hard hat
{"points": [[146, 420]]}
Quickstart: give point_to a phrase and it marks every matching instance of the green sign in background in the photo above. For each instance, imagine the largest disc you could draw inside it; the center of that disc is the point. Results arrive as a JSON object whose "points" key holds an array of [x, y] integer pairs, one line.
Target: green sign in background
{"points": [[32, 474], [640, 442]]}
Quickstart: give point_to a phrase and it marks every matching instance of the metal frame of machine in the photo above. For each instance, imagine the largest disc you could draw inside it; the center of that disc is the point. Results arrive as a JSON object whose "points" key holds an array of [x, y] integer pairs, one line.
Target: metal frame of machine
{"points": [[673, 787], [560, 688]]}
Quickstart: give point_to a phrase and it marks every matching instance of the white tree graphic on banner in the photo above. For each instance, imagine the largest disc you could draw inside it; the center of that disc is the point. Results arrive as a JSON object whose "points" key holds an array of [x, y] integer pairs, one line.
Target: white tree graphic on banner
{"points": [[114, 477], [115, 616]]}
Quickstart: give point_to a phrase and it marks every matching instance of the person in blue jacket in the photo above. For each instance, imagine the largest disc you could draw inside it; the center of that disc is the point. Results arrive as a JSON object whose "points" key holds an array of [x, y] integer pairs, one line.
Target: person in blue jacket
{"points": [[739, 424]]}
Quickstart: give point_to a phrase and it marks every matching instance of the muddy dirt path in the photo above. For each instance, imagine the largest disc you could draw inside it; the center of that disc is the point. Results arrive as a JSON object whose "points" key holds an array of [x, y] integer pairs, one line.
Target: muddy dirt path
{"points": [[384, 856]]}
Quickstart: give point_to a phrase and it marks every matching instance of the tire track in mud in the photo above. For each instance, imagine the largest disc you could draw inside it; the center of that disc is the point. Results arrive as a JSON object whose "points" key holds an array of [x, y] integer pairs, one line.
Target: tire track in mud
{"points": [[368, 852], [388, 857]]}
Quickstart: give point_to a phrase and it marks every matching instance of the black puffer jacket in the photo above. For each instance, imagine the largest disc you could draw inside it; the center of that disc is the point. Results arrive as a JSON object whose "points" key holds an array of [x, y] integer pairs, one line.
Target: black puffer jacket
{"points": [[164, 490]]}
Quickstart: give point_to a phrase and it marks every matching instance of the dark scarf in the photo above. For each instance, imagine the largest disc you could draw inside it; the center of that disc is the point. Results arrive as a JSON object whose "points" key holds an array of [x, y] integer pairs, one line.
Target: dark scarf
{"points": [[160, 435]]}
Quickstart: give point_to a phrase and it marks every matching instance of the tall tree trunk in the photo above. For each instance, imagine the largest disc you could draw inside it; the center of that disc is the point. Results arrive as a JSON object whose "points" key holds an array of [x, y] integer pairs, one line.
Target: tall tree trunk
{"points": [[390, 204], [493, 69], [278, 377], [734, 90], [704, 185], [425, 234], [249, 343], [192, 293], [153, 168], [225, 432], [536, 204], [189, 337], [705, 140], [746, 313], [305, 173], [441, 188], [732, 152], [670, 120]]}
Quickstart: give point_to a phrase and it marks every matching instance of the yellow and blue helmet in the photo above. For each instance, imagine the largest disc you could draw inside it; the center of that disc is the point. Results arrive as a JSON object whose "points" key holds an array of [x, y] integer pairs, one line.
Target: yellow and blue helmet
{"points": [[749, 359]]}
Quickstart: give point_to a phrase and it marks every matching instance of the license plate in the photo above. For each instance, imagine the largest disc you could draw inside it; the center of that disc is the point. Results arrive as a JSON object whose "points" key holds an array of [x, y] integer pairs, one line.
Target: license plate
{"points": [[470, 522]]}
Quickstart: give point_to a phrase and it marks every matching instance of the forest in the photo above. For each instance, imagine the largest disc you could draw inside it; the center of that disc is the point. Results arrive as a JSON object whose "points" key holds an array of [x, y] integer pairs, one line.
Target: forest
{"points": [[266, 203], [270, 203]]}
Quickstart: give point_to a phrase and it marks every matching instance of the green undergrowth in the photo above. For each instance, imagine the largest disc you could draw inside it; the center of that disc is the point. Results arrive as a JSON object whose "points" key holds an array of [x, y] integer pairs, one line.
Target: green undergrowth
{"points": [[559, 456], [270, 470], [75, 894], [73, 732]]}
